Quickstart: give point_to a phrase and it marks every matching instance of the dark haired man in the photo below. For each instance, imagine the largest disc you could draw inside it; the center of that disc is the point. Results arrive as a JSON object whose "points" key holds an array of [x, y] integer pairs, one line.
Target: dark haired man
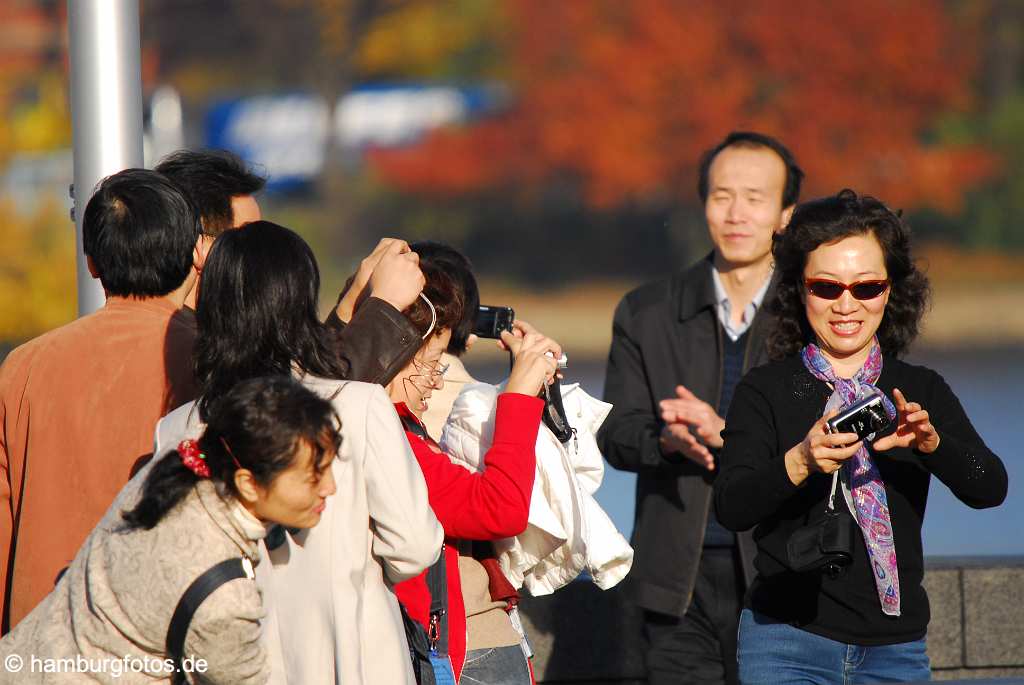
{"points": [[679, 346], [78, 404], [220, 186]]}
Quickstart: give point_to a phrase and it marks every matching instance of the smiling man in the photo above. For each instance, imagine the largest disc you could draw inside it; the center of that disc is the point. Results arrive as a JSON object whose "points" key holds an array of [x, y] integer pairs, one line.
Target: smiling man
{"points": [[679, 346]]}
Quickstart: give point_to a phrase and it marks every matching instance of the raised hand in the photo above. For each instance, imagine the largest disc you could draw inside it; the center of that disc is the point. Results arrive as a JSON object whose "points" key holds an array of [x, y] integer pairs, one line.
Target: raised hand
{"points": [[394, 280], [535, 358], [914, 429], [397, 278]]}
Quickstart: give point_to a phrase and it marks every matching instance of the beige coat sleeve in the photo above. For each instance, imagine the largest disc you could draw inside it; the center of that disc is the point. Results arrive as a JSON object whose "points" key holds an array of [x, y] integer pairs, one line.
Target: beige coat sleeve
{"points": [[225, 635], [406, 535]]}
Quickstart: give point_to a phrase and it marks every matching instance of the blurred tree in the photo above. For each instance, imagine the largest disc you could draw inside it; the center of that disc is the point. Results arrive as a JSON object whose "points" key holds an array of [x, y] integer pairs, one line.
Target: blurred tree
{"points": [[427, 39], [37, 271], [616, 101], [37, 263], [994, 211]]}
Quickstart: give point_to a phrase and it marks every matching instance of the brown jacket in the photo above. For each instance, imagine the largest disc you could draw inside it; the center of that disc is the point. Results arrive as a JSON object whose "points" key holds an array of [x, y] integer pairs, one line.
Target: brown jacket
{"points": [[77, 411]]}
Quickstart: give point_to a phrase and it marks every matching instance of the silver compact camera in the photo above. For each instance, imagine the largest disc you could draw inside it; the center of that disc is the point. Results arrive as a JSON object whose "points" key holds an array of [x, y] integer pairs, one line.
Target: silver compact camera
{"points": [[866, 417]]}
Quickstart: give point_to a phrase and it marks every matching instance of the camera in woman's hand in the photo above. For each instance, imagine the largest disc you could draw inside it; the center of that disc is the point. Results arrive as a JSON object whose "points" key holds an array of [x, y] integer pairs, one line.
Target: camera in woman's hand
{"points": [[867, 417]]}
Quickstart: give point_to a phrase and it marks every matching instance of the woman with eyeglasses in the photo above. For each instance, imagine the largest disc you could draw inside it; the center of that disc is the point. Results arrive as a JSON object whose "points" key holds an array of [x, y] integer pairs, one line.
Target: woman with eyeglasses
{"points": [[331, 613], [838, 597], [474, 508]]}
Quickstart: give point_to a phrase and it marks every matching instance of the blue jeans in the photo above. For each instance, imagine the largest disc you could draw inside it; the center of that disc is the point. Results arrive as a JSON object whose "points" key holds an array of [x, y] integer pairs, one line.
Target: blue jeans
{"points": [[496, 666], [773, 653]]}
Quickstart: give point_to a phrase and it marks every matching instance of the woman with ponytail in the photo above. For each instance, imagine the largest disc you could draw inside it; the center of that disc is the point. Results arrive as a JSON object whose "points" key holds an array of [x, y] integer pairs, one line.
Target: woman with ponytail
{"points": [[263, 459]]}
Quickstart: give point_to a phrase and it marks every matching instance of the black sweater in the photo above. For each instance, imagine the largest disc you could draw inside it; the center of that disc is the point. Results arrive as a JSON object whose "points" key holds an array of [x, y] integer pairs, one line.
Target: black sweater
{"points": [[772, 410]]}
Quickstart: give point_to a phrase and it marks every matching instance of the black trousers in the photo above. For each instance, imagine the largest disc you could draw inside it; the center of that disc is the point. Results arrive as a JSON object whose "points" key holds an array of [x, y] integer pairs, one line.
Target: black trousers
{"points": [[700, 647]]}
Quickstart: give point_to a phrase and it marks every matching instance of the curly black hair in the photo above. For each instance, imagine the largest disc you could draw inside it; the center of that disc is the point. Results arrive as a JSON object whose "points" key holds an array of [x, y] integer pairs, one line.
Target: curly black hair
{"points": [[826, 220]]}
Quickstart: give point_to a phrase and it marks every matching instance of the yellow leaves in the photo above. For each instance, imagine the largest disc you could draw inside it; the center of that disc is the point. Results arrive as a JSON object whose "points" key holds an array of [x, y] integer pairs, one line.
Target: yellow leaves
{"points": [[418, 39], [45, 123], [37, 250], [37, 271]]}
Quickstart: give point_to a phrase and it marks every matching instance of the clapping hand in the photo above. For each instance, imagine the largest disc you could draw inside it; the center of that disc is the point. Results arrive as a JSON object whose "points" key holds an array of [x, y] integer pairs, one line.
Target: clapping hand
{"points": [[697, 414], [676, 437], [691, 427]]}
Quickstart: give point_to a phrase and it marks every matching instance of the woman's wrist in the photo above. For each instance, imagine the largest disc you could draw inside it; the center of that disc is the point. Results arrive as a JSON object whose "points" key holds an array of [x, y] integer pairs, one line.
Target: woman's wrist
{"points": [[796, 465]]}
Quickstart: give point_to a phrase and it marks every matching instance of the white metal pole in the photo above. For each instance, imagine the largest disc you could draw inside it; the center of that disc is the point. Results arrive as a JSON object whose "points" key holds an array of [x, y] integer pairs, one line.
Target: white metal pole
{"points": [[106, 108]]}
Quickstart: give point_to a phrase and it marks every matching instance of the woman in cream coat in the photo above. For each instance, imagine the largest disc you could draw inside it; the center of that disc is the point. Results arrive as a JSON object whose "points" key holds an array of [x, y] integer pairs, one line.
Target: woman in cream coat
{"points": [[331, 614]]}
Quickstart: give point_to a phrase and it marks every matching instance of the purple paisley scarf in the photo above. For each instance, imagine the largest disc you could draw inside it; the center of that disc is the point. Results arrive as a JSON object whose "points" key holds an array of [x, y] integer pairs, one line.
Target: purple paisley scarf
{"points": [[869, 498]]}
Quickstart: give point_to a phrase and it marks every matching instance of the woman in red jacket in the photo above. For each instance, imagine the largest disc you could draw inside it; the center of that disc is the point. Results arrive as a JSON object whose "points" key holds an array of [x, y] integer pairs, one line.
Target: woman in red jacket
{"points": [[474, 508]]}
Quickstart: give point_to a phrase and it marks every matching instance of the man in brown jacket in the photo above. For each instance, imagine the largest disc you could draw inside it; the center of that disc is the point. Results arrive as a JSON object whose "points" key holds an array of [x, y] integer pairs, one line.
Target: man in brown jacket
{"points": [[78, 404], [94, 389]]}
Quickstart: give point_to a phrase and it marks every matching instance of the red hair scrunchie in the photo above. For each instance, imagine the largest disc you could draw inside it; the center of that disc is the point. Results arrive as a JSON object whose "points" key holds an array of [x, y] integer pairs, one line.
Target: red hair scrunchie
{"points": [[193, 459]]}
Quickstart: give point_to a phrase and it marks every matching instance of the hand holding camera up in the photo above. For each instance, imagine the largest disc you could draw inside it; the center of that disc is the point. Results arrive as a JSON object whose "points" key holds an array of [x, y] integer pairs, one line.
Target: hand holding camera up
{"points": [[914, 429], [820, 451], [535, 358]]}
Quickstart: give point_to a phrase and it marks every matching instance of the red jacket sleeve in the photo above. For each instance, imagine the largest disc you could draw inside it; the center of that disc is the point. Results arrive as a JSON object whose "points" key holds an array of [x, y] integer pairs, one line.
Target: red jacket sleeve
{"points": [[494, 503]]}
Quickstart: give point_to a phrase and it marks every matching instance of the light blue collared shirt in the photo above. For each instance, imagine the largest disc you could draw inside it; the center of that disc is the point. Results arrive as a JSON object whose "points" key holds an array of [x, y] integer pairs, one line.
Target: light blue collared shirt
{"points": [[724, 306]]}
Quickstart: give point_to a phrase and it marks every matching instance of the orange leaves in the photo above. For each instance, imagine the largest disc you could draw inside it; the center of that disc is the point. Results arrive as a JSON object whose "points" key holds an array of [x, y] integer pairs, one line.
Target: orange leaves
{"points": [[623, 97]]}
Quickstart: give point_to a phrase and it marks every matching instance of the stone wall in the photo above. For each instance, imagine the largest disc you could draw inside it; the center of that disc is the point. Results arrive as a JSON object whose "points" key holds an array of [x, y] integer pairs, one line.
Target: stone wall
{"points": [[584, 636]]}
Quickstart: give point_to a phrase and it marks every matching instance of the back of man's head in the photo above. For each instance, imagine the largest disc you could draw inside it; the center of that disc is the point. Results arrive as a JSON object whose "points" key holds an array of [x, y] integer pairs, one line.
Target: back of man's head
{"points": [[751, 139], [210, 179], [140, 231], [458, 267]]}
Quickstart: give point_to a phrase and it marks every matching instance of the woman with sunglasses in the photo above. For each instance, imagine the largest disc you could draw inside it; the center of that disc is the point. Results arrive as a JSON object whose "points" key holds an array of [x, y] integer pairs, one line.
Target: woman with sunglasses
{"points": [[850, 302], [474, 508]]}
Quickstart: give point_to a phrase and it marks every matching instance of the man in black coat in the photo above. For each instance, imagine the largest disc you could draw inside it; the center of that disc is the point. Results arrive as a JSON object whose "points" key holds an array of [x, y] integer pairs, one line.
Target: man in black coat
{"points": [[679, 346]]}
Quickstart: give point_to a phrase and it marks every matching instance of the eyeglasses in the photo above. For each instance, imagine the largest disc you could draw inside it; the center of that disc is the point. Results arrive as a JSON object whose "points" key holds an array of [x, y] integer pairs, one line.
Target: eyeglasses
{"points": [[832, 290], [433, 370]]}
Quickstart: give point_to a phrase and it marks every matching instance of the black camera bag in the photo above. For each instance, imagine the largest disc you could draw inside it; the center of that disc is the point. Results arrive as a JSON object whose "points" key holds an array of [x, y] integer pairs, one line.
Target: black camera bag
{"points": [[826, 545]]}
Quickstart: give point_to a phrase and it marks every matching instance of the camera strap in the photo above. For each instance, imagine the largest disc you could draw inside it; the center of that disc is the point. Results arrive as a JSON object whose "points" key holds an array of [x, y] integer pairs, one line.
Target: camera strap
{"points": [[839, 482], [832, 495]]}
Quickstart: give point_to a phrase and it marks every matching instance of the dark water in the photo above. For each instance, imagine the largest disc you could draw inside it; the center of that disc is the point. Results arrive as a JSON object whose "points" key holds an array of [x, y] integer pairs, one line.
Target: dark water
{"points": [[990, 385]]}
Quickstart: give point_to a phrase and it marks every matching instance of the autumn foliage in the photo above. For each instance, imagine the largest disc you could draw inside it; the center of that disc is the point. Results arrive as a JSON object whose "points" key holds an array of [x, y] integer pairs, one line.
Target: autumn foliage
{"points": [[618, 99]]}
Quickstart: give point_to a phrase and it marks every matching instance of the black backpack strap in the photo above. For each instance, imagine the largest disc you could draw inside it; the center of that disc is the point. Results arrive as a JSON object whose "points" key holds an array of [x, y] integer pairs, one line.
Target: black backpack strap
{"points": [[415, 428], [437, 585], [437, 577], [201, 588]]}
